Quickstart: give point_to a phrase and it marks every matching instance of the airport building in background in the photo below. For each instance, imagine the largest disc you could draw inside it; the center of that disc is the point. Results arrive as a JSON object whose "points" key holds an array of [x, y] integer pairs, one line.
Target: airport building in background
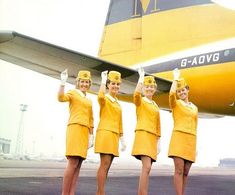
{"points": [[5, 146]]}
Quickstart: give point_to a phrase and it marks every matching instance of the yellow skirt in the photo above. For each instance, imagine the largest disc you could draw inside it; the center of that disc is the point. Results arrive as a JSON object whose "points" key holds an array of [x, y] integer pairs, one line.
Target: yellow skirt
{"points": [[77, 140], [183, 145], [145, 143], [107, 142]]}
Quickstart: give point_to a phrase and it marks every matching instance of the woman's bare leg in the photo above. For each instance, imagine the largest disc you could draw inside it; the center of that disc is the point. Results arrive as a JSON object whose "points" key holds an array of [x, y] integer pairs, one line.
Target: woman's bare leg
{"points": [[69, 174], [105, 163], [75, 177], [187, 166], [144, 177], [178, 175]]}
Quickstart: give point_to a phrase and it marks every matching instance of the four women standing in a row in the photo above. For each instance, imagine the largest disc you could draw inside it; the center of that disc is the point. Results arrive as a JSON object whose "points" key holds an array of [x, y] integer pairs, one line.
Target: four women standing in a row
{"points": [[79, 136]]}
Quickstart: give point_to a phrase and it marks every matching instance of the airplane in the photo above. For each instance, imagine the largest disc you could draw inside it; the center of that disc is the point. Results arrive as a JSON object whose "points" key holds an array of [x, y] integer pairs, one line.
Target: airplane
{"points": [[195, 36]]}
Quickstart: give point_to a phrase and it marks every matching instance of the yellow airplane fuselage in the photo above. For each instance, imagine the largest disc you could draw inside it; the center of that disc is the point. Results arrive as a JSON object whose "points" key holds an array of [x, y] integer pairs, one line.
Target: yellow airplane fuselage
{"points": [[145, 37]]}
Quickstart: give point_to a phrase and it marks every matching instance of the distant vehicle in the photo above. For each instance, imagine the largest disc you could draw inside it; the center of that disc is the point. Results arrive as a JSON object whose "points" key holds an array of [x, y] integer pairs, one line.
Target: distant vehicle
{"points": [[227, 162]]}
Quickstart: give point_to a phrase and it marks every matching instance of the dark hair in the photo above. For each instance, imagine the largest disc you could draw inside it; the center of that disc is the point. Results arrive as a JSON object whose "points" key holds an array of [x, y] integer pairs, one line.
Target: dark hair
{"points": [[107, 83]]}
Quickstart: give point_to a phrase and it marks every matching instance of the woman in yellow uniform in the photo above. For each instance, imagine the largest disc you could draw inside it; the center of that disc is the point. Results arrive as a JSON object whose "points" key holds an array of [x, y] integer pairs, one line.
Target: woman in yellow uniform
{"points": [[147, 132], [79, 134], [183, 140], [109, 130]]}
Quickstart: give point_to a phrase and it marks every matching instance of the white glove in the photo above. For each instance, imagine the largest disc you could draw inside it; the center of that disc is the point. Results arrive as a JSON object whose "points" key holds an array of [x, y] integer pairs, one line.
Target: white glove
{"points": [[141, 75], [64, 77], [90, 141], [123, 144], [176, 74], [159, 146], [104, 76]]}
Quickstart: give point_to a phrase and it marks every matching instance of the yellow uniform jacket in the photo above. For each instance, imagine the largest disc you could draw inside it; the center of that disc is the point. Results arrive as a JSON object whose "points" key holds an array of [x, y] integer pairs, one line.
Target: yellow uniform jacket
{"points": [[147, 112], [110, 114], [185, 116], [80, 108]]}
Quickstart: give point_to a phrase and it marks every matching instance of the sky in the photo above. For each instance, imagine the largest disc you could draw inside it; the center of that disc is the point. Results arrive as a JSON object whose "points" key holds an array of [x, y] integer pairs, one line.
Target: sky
{"points": [[77, 25]]}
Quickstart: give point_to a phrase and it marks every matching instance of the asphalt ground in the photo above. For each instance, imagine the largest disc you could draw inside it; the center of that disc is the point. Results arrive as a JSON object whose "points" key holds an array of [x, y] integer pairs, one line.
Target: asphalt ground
{"points": [[43, 178], [161, 185]]}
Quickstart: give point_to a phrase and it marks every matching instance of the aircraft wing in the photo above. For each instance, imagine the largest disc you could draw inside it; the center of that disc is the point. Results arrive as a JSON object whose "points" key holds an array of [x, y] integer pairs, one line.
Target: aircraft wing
{"points": [[51, 60]]}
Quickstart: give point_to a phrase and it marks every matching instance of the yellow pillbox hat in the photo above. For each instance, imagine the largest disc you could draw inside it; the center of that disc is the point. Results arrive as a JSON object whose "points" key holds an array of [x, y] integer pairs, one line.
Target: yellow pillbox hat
{"points": [[181, 84], [115, 76], [84, 75], [149, 80]]}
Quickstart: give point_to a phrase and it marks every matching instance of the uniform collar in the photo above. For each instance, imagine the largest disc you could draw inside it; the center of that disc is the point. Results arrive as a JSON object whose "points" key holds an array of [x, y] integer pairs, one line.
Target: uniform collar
{"points": [[189, 105], [149, 101], [112, 99], [80, 93]]}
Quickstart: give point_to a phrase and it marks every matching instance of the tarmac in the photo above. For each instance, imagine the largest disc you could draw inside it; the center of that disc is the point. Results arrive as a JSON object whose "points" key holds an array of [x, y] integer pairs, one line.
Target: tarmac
{"points": [[45, 178]]}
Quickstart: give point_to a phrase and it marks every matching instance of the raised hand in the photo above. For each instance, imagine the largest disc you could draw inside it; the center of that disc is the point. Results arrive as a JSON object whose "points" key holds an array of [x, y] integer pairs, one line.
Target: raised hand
{"points": [[104, 76], [176, 74], [64, 77], [141, 74]]}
